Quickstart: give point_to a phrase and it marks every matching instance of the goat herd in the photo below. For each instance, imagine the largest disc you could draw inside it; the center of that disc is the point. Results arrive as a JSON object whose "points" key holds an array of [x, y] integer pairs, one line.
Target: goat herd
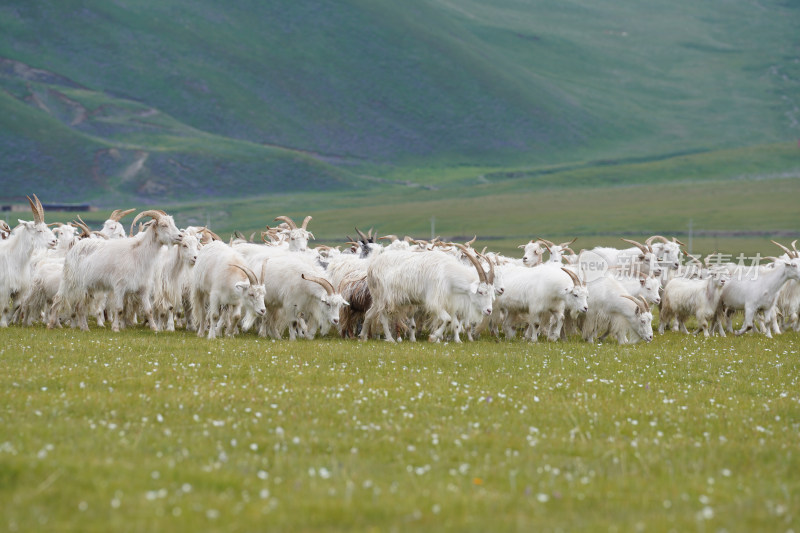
{"points": [[167, 278]]}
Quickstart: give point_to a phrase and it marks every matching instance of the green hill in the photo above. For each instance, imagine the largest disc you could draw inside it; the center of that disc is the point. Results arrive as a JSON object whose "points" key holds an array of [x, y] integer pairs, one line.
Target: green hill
{"points": [[177, 100]]}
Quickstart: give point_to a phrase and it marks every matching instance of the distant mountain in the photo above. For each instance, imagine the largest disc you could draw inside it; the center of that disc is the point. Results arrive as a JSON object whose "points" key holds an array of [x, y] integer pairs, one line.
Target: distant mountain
{"points": [[176, 99]]}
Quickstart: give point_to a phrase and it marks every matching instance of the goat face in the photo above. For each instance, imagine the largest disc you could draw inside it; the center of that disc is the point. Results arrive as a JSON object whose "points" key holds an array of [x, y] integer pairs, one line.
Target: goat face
{"points": [[578, 298], [298, 239], [113, 229], [252, 297], [43, 237], [331, 306], [189, 248], [168, 233], [650, 290], [644, 324], [482, 294]]}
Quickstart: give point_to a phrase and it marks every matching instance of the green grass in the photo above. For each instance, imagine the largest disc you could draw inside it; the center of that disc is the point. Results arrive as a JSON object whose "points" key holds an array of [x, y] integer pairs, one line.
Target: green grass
{"points": [[142, 432]]}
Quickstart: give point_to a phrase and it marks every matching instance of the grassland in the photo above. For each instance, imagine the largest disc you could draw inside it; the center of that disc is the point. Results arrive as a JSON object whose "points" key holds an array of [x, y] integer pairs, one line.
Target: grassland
{"points": [[142, 432]]}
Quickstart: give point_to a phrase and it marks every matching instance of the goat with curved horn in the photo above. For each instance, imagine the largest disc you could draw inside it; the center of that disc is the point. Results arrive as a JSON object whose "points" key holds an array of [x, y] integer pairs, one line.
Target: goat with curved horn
{"points": [[306, 221]]}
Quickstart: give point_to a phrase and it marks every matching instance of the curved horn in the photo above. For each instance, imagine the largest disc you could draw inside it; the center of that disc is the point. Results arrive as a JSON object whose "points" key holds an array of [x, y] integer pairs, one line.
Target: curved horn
{"points": [[784, 248], [547, 243], [362, 235], [570, 250], [566, 244], [322, 281], [152, 213], [676, 241], [641, 304], [638, 245], [37, 215], [249, 273], [490, 274], [118, 214], [287, 220], [575, 279], [644, 305], [474, 261], [650, 240], [252, 237], [306, 221], [390, 237], [692, 258], [470, 243], [263, 272], [81, 225]]}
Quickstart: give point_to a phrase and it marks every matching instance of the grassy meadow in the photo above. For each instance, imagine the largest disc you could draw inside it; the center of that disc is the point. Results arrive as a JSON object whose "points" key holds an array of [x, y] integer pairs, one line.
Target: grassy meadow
{"points": [[167, 432]]}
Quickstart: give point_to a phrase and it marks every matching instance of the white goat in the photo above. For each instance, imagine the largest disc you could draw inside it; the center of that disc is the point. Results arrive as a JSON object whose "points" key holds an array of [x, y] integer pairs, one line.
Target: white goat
{"points": [[542, 294], [300, 297], [112, 228], [532, 253], [756, 292], [172, 281], [222, 287], [436, 282], [16, 253], [692, 297], [613, 310], [640, 258], [122, 266]]}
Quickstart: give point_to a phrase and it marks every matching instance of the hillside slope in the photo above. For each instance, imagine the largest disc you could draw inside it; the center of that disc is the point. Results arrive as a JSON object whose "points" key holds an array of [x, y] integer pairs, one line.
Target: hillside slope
{"points": [[183, 99]]}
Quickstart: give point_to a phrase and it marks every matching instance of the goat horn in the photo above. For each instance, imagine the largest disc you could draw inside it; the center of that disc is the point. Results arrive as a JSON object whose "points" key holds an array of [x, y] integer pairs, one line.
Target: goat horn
{"points": [[306, 221], [40, 208], [547, 243], [249, 273], [362, 235], [490, 274], [264, 271], [641, 304], [645, 305], [474, 261], [287, 220], [152, 213], [650, 240], [322, 281], [676, 241], [784, 248], [34, 210], [85, 231], [570, 250], [638, 245], [566, 244], [575, 279], [470, 243], [389, 237], [118, 214]]}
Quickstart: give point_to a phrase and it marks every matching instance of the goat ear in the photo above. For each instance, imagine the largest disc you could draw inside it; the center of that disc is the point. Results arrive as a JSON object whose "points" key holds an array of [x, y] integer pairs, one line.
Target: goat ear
{"points": [[473, 287], [642, 281], [242, 286]]}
